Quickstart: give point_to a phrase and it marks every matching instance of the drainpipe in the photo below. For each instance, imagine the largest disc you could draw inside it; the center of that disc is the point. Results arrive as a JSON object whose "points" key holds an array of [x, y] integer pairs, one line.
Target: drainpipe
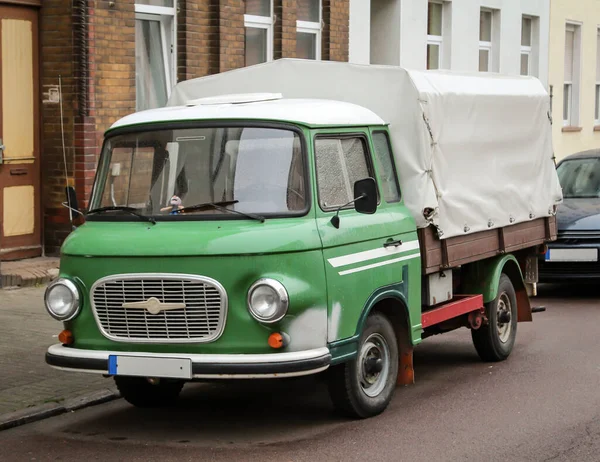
{"points": [[80, 8]]}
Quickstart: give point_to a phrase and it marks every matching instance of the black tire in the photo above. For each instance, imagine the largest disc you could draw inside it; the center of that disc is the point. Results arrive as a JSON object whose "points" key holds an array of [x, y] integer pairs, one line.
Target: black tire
{"points": [[141, 393], [347, 390], [490, 341]]}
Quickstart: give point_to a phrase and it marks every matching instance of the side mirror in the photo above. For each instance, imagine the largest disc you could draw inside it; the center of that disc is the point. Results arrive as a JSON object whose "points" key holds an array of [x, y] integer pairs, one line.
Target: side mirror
{"points": [[365, 192], [72, 198]]}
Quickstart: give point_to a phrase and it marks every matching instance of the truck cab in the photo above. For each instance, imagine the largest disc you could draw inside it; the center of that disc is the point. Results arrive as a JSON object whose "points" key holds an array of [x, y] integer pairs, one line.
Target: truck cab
{"points": [[241, 238]]}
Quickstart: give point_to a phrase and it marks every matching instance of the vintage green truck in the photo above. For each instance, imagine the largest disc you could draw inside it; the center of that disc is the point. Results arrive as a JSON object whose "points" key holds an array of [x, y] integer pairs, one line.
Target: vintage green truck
{"points": [[299, 217]]}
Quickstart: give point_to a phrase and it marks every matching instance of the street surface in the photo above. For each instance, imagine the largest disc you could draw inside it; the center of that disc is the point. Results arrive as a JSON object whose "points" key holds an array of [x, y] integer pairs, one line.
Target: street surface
{"points": [[26, 331], [542, 404]]}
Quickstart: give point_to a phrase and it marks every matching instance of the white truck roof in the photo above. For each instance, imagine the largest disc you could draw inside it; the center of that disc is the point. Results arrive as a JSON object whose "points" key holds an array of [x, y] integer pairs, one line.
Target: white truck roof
{"points": [[312, 112], [474, 148]]}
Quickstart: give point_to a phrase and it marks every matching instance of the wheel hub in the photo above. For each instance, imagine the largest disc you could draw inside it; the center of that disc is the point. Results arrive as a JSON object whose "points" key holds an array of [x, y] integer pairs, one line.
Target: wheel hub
{"points": [[504, 317], [374, 365]]}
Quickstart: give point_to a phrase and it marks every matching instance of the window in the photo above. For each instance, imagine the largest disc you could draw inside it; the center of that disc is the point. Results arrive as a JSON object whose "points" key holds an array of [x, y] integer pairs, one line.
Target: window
{"points": [[485, 40], [258, 22], [340, 163], [255, 170], [580, 177], [308, 29], [386, 167], [571, 76], [597, 111], [434, 35], [526, 45], [155, 52]]}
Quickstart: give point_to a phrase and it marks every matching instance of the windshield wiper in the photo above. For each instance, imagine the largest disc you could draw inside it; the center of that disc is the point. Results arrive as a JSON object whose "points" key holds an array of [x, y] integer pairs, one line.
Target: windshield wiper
{"points": [[220, 206], [129, 210]]}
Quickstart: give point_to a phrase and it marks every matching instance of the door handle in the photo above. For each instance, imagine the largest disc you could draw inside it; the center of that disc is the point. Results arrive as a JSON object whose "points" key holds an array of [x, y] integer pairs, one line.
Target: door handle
{"points": [[392, 243], [2, 148]]}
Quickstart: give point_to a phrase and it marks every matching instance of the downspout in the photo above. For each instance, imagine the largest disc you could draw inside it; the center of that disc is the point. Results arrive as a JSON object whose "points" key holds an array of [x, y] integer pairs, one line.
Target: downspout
{"points": [[80, 8]]}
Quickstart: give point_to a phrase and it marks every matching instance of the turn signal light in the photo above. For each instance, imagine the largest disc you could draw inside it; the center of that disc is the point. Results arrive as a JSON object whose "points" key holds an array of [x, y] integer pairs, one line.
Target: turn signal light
{"points": [[279, 340], [66, 337], [276, 340]]}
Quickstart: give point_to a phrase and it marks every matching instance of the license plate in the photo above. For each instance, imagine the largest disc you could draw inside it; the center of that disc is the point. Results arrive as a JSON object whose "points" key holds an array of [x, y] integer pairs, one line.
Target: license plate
{"points": [[143, 366], [569, 255]]}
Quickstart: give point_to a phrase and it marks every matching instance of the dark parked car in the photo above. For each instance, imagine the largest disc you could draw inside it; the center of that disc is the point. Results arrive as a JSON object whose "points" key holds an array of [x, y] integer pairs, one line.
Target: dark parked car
{"points": [[574, 255]]}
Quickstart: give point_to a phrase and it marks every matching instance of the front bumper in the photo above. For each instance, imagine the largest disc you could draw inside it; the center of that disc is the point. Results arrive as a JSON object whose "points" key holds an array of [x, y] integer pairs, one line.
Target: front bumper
{"points": [[557, 271], [219, 366]]}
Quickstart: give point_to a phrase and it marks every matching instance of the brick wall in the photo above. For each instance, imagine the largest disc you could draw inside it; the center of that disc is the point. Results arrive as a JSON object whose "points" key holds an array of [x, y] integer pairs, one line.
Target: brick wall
{"points": [[56, 37], [210, 39]]}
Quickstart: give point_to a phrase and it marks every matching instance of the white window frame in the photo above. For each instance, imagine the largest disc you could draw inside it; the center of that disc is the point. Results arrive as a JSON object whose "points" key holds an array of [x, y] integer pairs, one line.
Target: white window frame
{"points": [[597, 86], [437, 39], [252, 21], [527, 50], [167, 16], [315, 28], [573, 86], [483, 45]]}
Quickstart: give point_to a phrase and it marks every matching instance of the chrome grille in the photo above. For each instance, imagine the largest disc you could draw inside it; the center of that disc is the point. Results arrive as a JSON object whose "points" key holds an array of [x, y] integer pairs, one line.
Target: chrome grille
{"points": [[202, 319]]}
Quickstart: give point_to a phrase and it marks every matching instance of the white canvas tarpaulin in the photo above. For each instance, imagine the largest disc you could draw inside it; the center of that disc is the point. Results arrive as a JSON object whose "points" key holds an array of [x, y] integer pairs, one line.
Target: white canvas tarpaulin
{"points": [[474, 148]]}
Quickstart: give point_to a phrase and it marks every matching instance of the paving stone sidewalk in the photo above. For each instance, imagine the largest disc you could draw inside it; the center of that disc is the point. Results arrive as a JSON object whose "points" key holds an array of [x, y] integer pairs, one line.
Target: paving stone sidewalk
{"points": [[26, 331], [28, 273]]}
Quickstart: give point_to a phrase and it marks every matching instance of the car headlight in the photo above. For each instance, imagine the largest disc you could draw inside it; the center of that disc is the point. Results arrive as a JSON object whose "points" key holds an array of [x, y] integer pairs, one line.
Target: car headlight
{"points": [[268, 300], [62, 300]]}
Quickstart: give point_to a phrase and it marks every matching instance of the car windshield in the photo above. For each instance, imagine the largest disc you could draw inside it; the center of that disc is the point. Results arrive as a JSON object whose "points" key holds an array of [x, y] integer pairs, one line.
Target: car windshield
{"points": [[580, 177], [238, 169]]}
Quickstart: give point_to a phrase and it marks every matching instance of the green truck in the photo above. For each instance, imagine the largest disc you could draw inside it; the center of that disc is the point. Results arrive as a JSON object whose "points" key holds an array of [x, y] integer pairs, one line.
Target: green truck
{"points": [[241, 234]]}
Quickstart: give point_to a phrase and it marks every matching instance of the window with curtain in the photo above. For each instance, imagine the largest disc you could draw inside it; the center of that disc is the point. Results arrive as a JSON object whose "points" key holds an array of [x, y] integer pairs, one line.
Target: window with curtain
{"points": [[308, 29], [258, 22], [434, 35], [154, 52]]}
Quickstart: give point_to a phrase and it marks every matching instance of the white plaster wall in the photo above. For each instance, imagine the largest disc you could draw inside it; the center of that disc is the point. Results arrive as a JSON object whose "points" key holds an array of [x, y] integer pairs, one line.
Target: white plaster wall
{"points": [[385, 26], [360, 31], [461, 41]]}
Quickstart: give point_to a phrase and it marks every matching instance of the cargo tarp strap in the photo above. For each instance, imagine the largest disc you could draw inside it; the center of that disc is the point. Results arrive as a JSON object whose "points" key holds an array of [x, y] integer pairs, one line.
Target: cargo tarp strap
{"points": [[429, 218]]}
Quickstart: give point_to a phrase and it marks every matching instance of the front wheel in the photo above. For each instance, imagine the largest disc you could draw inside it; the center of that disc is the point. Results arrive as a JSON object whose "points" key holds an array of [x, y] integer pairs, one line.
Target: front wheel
{"points": [[495, 340], [364, 386], [140, 392]]}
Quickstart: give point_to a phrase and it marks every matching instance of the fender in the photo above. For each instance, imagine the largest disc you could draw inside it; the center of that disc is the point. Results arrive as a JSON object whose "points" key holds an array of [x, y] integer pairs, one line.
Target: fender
{"points": [[483, 277], [346, 349]]}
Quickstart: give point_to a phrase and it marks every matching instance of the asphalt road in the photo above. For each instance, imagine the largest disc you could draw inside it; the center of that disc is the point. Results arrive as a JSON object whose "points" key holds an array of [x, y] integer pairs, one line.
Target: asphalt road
{"points": [[542, 404]]}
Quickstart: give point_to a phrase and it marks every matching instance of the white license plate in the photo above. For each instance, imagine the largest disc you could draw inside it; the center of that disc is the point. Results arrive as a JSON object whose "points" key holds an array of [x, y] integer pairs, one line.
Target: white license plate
{"points": [[142, 366], [572, 255]]}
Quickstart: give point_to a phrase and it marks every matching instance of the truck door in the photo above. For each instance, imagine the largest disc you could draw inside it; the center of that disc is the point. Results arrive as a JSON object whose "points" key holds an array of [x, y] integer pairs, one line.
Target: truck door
{"points": [[366, 252]]}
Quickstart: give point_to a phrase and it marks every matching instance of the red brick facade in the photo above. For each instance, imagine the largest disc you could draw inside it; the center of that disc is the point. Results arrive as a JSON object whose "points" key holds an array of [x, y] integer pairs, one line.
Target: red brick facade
{"points": [[90, 44]]}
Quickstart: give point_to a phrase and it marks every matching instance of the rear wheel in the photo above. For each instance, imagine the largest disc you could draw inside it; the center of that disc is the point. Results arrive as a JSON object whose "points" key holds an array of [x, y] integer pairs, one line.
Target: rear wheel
{"points": [[141, 392], [494, 341], [364, 386]]}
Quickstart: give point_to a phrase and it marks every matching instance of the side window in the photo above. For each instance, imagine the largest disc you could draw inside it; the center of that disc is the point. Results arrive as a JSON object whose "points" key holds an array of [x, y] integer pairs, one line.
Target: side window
{"points": [[340, 163], [386, 167]]}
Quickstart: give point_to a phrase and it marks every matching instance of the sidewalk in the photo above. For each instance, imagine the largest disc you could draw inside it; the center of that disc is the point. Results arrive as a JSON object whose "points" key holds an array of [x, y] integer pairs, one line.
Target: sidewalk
{"points": [[26, 331], [28, 273]]}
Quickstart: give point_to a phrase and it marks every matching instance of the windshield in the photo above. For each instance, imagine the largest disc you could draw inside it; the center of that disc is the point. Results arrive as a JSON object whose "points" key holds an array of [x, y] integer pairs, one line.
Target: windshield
{"points": [[580, 177], [244, 169]]}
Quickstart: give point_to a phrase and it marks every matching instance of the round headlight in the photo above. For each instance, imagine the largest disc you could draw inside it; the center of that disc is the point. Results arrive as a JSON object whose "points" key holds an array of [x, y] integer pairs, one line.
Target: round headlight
{"points": [[268, 300], [62, 300]]}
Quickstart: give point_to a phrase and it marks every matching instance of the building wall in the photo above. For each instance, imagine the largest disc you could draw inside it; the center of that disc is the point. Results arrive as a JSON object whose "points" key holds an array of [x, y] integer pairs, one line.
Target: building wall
{"points": [[583, 136], [406, 31], [90, 44]]}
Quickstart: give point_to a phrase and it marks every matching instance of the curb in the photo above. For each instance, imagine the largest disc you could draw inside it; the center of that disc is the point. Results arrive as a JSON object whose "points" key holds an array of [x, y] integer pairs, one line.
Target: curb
{"points": [[43, 411]]}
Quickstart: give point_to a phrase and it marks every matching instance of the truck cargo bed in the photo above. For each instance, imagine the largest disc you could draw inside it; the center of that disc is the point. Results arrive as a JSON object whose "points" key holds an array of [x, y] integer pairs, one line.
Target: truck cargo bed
{"points": [[437, 255]]}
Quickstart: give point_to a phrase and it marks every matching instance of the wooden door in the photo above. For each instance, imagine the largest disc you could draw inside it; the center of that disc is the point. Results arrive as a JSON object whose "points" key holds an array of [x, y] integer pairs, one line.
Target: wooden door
{"points": [[20, 233]]}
